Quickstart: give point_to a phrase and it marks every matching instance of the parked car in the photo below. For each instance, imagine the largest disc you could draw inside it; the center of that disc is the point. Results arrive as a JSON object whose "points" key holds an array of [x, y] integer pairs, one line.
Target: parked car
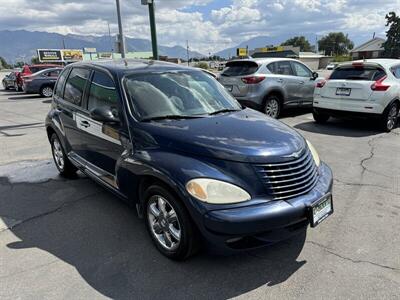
{"points": [[367, 89], [30, 69], [41, 82], [9, 81], [174, 143], [270, 84], [332, 66]]}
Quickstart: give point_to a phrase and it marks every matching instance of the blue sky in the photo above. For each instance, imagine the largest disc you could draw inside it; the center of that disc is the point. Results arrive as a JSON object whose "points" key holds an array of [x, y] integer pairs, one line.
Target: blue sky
{"points": [[209, 25]]}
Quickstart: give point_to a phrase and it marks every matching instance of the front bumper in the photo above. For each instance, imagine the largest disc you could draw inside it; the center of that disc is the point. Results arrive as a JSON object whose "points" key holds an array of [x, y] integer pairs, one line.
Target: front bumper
{"points": [[264, 223]]}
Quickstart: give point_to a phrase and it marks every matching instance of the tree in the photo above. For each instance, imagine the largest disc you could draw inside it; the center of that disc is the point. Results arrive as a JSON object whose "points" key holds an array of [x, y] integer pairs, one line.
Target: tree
{"points": [[35, 60], [4, 64], [335, 43], [392, 44], [298, 41]]}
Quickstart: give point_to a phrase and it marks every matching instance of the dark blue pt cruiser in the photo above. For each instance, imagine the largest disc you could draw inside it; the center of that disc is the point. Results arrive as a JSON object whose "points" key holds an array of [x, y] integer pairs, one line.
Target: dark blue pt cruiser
{"points": [[171, 141]]}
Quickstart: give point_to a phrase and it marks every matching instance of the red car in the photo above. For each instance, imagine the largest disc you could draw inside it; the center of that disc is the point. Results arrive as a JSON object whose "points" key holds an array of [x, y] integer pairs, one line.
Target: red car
{"points": [[28, 70]]}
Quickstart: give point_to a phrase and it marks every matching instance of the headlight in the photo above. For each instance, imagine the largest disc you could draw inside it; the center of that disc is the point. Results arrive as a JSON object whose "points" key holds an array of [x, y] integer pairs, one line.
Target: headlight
{"points": [[314, 154], [216, 192]]}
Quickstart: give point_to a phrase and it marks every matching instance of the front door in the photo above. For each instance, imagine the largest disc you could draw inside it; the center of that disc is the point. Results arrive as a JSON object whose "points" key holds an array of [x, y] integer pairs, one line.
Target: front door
{"points": [[102, 146], [306, 84]]}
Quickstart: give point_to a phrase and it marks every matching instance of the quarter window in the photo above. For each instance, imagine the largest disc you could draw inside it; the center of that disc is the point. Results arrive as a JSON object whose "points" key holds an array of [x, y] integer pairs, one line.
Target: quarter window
{"points": [[396, 72], [75, 85], [102, 92], [301, 71]]}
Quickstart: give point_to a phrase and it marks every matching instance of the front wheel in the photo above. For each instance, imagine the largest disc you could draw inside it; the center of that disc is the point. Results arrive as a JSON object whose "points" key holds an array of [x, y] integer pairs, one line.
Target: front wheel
{"points": [[63, 164], [389, 117], [169, 224]]}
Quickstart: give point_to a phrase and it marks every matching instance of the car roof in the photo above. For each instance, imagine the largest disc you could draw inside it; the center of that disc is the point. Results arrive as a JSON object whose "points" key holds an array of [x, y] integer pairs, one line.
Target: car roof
{"points": [[384, 62], [125, 66], [266, 60]]}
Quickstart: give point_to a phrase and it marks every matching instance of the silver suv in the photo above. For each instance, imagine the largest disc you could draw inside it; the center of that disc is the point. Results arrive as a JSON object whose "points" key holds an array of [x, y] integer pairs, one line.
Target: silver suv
{"points": [[270, 84]]}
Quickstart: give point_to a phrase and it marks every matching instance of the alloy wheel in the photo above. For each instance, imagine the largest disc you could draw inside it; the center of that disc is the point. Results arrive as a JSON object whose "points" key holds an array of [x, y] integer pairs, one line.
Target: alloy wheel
{"points": [[47, 91], [164, 223], [58, 154], [392, 117], [272, 108]]}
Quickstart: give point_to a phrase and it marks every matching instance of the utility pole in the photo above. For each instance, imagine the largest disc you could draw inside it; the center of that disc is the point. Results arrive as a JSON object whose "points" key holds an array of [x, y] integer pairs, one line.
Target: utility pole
{"points": [[153, 29], [63, 40], [187, 51], [109, 36], [121, 40]]}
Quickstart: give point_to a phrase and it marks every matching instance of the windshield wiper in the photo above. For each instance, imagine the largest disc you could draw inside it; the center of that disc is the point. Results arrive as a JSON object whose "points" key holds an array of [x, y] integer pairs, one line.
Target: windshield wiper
{"points": [[223, 111], [170, 117]]}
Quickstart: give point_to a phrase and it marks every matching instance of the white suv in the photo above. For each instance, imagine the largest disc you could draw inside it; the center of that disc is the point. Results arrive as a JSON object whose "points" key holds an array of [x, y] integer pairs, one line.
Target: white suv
{"points": [[369, 88]]}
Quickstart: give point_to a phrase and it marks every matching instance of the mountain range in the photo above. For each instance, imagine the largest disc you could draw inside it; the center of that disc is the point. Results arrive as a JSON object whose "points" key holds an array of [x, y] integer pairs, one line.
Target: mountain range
{"points": [[19, 43]]}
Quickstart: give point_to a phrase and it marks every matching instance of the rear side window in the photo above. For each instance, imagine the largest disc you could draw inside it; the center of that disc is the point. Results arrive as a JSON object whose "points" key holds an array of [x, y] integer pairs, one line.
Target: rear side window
{"points": [[281, 68], [396, 72], [75, 85], [102, 92], [240, 68], [34, 69], [358, 73], [60, 83]]}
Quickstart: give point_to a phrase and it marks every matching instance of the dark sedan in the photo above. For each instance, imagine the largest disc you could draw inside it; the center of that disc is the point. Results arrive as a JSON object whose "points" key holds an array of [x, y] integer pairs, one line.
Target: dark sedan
{"points": [[41, 82], [9, 81]]}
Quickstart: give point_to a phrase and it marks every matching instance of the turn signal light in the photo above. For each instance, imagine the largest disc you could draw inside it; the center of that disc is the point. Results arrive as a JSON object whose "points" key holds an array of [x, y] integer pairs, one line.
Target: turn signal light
{"points": [[379, 86], [253, 79]]}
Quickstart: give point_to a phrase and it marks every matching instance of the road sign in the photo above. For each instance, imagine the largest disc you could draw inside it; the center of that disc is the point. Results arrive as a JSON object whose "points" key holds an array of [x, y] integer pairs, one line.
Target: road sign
{"points": [[241, 52]]}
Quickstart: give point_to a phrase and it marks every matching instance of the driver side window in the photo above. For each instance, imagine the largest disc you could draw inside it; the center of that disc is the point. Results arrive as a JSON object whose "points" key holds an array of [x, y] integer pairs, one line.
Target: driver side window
{"points": [[302, 71], [103, 93]]}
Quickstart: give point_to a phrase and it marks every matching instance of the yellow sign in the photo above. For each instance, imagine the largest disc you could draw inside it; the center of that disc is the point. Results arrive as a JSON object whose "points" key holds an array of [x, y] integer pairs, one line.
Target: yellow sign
{"points": [[272, 49], [72, 55], [241, 51]]}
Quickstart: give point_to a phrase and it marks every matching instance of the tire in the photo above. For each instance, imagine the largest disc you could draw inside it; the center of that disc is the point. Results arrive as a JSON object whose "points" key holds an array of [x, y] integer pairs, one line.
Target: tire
{"points": [[46, 91], [272, 106], [320, 118], [390, 117], [174, 236], [63, 164]]}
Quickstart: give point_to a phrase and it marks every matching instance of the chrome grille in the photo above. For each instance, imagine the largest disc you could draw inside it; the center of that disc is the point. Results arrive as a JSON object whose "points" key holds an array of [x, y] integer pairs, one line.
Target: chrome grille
{"points": [[289, 179]]}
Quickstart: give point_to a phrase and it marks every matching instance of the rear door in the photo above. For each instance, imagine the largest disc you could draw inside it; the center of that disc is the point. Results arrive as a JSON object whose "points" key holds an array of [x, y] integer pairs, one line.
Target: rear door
{"points": [[231, 77], [352, 82], [285, 78], [306, 83]]}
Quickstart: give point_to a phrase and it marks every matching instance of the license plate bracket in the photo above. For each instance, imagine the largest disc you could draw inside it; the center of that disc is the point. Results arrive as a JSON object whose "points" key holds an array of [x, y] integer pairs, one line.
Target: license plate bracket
{"points": [[343, 91], [320, 210]]}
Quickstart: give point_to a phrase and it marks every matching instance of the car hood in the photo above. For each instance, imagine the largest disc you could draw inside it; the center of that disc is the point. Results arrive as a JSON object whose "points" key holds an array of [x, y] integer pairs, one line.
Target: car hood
{"points": [[245, 136]]}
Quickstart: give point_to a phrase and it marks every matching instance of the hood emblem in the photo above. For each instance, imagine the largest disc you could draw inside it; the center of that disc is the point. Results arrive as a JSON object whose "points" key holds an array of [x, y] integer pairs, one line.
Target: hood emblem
{"points": [[294, 154]]}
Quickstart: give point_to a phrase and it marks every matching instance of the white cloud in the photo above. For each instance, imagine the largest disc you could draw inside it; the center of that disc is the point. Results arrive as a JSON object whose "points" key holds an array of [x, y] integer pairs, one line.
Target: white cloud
{"points": [[221, 27]]}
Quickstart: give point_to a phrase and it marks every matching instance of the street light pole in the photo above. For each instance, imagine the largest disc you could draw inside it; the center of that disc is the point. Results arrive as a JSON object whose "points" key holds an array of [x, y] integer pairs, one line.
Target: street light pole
{"points": [[153, 29], [121, 40]]}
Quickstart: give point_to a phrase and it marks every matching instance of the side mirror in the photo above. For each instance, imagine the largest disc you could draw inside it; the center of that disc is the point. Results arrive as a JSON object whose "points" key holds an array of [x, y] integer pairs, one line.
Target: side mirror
{"points": [[315, 75], [104, 114]]}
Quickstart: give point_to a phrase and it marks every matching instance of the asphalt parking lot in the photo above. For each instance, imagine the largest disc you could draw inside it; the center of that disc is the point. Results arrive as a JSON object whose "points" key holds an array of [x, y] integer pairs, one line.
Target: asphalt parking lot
{"points": [[73, 239]]}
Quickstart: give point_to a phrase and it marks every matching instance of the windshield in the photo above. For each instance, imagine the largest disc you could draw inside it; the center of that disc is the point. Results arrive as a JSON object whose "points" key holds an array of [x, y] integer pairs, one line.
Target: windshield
{"points": [[177, 93]]}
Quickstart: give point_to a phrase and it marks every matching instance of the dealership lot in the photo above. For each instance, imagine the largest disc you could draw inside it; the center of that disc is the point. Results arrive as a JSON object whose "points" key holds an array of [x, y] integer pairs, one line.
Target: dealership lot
{"points": [[73, 239]]}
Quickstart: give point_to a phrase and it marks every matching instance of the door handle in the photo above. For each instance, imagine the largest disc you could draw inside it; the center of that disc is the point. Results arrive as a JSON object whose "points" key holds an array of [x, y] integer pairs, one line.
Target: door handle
{"points": [[279, 80], [85, 124], [301, 82]]}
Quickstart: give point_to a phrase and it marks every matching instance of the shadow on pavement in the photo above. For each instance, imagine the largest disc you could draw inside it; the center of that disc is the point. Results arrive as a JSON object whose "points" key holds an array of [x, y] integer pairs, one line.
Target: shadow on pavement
{"points": [[87, 227], [294, 112], [25, 97], [339, 127]]}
